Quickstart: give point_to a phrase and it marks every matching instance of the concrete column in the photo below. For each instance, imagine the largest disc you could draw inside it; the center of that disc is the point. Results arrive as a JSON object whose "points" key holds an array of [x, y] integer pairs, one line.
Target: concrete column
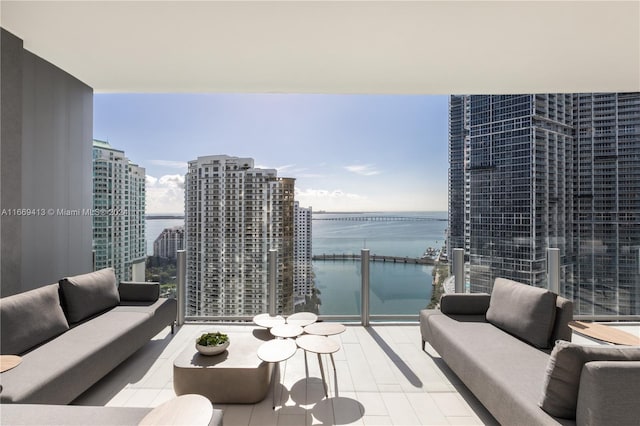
{"points": [[458, 269], [364, 288], [553, 270], [181, 290], [272, 275]]}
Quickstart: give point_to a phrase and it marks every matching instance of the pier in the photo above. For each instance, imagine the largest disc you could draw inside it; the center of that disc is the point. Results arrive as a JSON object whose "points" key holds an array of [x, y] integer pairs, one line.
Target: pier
{"points": [[377, 258]]}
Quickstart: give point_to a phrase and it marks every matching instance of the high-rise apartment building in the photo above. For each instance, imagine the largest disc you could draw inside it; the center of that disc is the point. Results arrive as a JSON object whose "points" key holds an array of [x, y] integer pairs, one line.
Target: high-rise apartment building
{"points": [[169, 242], [235, 214], [606, 196], [119, 213], [531, 172], [302, 252]]}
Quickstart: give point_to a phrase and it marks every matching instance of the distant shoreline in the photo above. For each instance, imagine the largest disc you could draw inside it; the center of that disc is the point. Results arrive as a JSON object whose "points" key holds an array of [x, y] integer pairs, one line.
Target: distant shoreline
{"points": [[181, 216], [164, 216], [381, 212]]}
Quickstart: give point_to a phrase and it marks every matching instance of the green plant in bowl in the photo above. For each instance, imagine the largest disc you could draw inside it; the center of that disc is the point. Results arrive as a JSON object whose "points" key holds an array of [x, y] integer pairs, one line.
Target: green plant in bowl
{"points": [[213, 339], [212, 343]]}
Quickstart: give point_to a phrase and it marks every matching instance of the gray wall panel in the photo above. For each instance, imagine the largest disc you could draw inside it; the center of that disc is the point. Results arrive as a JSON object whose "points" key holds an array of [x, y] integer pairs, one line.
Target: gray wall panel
{"points": [[10, 162], [55, 174]]}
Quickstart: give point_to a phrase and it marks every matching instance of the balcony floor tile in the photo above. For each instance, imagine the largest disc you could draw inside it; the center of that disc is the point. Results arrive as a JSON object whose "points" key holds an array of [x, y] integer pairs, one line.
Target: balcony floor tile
{"points": [[382, 377]]}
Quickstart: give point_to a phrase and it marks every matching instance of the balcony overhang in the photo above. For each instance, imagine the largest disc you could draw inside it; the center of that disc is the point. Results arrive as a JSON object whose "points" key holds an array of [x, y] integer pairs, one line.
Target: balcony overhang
{"points": [[401, 47]]}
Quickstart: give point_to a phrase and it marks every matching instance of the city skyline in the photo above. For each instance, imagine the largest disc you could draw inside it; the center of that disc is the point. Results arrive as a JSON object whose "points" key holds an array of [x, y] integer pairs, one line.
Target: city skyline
{"points": [[346, 152]]}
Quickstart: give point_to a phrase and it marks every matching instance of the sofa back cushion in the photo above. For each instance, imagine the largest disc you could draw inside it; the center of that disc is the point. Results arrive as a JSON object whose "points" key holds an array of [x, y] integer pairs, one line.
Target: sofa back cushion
{"points": [[562, 380], [139, 292], [89, 294], [564, 315], [524, 311], [30, 318]]}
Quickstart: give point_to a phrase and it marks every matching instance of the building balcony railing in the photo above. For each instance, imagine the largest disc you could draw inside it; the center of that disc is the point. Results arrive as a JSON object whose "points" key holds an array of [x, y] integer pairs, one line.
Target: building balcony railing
{"points": [[363, 286]]}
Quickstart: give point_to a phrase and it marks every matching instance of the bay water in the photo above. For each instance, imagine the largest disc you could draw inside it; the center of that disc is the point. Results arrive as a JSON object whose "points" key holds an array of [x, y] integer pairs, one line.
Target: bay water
{"points": [[396, 288]]}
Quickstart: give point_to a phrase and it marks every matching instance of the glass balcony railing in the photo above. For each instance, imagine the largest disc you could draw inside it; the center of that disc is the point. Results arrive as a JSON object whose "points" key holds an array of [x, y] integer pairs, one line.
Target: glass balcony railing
{"points": [[601, 277], [406, 256], [402, 247]]}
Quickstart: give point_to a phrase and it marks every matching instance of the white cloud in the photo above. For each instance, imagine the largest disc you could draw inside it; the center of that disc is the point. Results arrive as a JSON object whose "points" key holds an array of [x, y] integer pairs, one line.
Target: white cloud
{"points": [[290, 170], [169, 163], [363, 169], [311, 176], [280, 169], [331, 200], [165, 194], [324, 193], [284, 168]]}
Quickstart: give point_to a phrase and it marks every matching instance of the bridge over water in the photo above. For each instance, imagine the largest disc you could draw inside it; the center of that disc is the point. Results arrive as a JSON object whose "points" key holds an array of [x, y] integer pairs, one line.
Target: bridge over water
{"points": [[377, 258], [358, 218]]}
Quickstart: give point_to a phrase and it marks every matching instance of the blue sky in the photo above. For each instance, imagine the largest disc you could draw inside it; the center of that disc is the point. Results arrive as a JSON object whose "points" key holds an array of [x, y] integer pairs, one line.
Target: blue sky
{"points": [[347, 152]]}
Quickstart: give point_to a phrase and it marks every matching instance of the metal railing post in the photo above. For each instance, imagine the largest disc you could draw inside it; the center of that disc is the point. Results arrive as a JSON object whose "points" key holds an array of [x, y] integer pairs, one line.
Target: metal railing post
{"points": [[364, 288], [272, 272], [458, 269], [553, 270], [181, 290]]}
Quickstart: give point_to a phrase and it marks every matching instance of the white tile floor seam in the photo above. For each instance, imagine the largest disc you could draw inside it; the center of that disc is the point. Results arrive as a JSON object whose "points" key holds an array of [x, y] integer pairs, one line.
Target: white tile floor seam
{"points": [[382, 377]]}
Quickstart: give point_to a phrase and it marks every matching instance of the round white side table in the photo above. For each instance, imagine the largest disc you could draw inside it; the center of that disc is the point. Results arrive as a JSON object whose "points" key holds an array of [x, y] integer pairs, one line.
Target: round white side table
{"points": [[319, 345], [276, 351]]}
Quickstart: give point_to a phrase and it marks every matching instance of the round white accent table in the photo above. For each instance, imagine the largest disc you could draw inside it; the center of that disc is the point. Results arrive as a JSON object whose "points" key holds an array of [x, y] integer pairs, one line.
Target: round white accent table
{"points": [[276, 351], [285, 331], [325, 328], [302, 318], [319, 345], [7, 362], [268, 321]]}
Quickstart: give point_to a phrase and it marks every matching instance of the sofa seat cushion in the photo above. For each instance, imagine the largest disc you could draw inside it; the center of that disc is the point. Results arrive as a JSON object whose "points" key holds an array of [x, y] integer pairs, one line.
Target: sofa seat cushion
{"points": [[89, 294], [60, 370], [162, 310], [77, 415], [30, 318], [502, 371], [67, 415], [562, 378], [526, 312]]}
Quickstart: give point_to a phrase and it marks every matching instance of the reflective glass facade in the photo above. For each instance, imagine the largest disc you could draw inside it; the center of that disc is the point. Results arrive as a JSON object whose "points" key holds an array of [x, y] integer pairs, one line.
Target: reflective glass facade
{"points": [[549, 171]]}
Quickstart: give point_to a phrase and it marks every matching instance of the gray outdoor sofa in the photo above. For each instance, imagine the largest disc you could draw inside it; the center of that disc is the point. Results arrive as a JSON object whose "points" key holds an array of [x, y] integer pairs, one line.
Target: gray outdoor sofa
{"points": [[512, 349], [73, 333], [76, 415]]}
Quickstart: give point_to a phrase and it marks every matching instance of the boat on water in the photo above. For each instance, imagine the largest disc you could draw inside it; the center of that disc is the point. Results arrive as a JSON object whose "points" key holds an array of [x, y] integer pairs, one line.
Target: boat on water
{"points": [[431, 253]]}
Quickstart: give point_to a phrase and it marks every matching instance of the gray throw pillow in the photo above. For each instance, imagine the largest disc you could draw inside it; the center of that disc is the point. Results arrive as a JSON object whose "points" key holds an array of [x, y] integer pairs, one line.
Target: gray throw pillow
{"points": [[526, 312], [88, 294], [562, 381], [30, 318]]}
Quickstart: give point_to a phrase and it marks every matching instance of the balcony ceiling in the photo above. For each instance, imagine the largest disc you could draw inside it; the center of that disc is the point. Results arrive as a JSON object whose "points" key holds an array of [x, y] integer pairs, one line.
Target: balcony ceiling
{"points": [[432, 47]]}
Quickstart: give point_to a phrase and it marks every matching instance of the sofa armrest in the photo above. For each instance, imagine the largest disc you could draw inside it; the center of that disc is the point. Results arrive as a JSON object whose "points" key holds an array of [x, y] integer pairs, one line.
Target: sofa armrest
{"points": [[464, 303], [608, 393], [139, 291]]}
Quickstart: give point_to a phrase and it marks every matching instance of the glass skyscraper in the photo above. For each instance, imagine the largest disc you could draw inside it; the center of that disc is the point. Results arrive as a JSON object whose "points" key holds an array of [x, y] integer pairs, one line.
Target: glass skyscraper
{"points": [[537, 171]]}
